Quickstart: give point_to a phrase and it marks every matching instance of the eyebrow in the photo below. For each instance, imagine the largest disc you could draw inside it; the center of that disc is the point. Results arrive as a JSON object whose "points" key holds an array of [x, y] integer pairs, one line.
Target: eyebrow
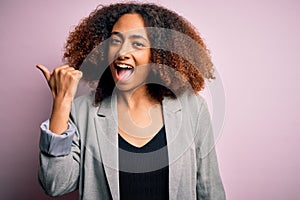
{"points": [[135, 36]]}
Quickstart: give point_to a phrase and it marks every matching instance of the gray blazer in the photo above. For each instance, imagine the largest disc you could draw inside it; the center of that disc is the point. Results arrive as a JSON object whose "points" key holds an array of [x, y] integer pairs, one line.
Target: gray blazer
{"points": [[89, 161]]}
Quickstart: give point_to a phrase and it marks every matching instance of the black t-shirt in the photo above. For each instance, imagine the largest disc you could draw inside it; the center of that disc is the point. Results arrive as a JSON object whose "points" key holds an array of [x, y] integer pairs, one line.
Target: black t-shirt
{"points": [[144, 171]]}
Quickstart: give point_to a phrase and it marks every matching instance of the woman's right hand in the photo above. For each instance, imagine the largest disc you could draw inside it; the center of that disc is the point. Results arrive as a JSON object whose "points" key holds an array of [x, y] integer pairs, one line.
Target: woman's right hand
{"points": [[63, 83]]}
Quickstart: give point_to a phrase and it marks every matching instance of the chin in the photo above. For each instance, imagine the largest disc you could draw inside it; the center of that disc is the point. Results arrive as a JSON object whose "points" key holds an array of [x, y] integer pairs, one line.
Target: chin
{"points": [[121, 87]]}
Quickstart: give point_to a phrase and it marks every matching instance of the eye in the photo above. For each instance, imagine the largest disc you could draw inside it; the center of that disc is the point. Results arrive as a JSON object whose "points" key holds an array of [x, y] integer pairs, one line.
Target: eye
{"points": [[139, 44], [115, 41]]}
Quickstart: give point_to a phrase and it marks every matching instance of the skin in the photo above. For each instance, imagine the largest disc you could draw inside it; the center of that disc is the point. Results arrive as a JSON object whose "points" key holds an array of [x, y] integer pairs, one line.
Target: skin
{"points": [[139, 116], [129, 44], [63, 83]]}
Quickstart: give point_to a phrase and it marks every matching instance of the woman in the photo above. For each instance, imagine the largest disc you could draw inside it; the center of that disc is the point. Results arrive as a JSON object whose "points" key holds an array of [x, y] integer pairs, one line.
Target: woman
{"points": [[144, 133]]}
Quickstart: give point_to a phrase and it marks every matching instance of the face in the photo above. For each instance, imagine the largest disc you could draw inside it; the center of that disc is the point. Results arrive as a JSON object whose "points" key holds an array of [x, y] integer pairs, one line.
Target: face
{"points": [[129, 52]]}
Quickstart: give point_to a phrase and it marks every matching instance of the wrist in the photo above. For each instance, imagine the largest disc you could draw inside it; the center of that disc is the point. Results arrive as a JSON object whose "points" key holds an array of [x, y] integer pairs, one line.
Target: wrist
{"points": [[62, 100], [60, 115]]}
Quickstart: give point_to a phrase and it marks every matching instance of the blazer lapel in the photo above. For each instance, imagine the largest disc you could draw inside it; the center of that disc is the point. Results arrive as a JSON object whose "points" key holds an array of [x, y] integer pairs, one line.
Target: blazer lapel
{"points": [[106, 123], [172, 117], [107, 133]]}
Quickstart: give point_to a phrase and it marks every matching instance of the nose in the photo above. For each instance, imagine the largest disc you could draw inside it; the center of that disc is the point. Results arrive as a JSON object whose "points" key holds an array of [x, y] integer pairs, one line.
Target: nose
{"points": [[125, 51]]}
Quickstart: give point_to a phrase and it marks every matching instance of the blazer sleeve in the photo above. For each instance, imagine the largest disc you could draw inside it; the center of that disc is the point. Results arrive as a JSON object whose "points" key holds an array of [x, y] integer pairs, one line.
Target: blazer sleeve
{"points": [[58, 171], [209, 183]]}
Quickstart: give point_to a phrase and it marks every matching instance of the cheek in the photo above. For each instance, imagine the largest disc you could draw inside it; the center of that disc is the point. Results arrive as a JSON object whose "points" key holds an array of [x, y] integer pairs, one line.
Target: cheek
{"points": [[143, 72], [111, 54], [144, 57]]}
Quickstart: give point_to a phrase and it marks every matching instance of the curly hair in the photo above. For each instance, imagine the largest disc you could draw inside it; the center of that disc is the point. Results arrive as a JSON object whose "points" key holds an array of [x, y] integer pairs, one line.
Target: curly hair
{"points": [[179, 63]]}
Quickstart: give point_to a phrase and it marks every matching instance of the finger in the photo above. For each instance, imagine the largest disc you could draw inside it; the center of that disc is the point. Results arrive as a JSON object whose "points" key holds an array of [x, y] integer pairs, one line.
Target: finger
{"points": [[60, 68], [45, 71], [70, 69], [64, 66], [76, 74], [79, 74]]}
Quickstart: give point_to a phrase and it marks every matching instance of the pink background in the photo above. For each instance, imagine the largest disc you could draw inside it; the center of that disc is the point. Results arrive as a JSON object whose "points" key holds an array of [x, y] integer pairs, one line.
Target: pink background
{"points": [[255, 46]]}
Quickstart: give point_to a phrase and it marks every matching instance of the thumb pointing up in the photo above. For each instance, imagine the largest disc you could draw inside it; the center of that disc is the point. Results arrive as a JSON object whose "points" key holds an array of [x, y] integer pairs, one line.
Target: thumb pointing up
{"points": [[45, 71]]}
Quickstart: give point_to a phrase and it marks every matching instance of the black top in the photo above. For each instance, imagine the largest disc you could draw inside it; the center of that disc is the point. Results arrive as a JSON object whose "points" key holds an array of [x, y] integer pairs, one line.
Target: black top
{"points": [[144, 171]]}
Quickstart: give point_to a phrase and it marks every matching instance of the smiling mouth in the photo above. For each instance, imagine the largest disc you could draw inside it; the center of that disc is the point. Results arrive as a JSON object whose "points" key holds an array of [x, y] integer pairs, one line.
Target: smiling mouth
{"points": [[124, 71]]}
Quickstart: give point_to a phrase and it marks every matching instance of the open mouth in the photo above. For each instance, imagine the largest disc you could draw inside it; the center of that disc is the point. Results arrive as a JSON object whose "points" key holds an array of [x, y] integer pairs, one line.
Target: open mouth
{"points": [[124, 71]]}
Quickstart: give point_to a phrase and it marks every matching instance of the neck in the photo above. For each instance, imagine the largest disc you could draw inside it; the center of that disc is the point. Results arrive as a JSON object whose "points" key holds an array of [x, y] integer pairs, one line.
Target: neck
{"points": [[136, 98]]}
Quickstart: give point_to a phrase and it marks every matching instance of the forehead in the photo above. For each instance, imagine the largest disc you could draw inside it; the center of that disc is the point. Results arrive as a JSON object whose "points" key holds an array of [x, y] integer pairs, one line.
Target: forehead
{"points": [[130, 23]]}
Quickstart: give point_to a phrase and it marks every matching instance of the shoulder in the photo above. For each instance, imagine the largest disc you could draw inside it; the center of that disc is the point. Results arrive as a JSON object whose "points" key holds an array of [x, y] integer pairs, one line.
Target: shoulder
{"points": [[84, 103], [191, 106], [192, 102], [85, 99]]}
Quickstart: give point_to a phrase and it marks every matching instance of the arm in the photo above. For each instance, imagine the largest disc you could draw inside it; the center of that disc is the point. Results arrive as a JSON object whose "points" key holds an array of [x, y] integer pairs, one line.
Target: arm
{"points": [[59, 143], [209, 183], [59, 160], [63, 83]]}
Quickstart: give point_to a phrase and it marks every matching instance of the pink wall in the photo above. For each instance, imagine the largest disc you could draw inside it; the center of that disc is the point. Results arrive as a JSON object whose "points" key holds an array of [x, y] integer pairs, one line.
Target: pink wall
{"points": [[255, 46]]}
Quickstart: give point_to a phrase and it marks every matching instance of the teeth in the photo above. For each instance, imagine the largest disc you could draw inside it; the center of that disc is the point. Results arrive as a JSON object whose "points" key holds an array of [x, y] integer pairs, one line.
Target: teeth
{"points": [[124, 66]]}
